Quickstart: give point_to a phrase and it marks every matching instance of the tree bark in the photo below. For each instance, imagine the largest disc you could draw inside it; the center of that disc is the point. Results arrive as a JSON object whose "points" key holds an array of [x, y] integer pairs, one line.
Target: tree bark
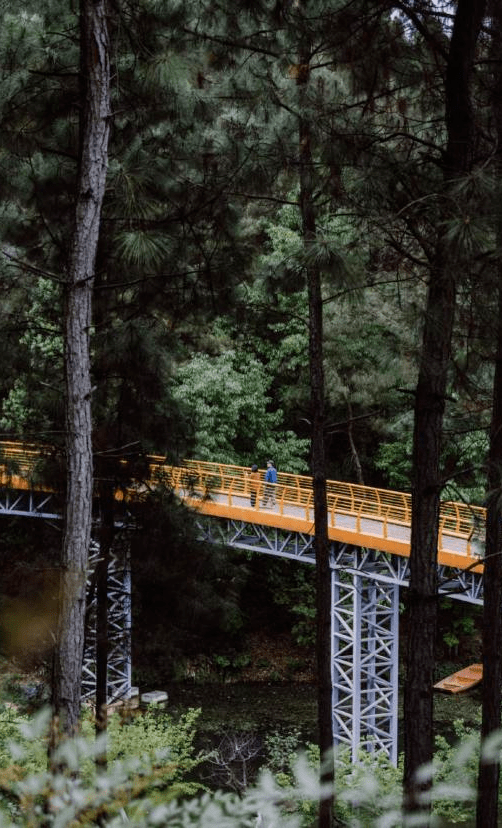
{"points": [[318, 461], [91, 178], [429, 409], [489, 772], [353, 450], [429, 412]]}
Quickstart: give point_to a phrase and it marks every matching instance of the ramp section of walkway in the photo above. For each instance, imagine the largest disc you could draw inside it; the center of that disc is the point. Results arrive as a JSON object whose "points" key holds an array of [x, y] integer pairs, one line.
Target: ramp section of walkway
{"points": [[461, 680], [359, 515]]}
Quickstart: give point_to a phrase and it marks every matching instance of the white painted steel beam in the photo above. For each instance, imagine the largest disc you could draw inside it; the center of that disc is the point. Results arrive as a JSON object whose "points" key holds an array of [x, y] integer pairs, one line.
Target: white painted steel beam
{"points": [[119, 624], [28, 504], [365, 662]]}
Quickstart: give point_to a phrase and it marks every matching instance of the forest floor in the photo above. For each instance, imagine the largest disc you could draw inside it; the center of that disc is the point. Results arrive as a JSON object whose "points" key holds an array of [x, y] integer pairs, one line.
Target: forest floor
{"points": [[271, 689], [267, 707], [262, 707], [266, 657], [276, 691]]}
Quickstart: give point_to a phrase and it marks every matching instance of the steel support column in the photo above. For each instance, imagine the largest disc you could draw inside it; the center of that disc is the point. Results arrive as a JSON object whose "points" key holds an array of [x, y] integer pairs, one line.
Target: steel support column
{"points": [[119, 623], [365, 662], [365, 587]]}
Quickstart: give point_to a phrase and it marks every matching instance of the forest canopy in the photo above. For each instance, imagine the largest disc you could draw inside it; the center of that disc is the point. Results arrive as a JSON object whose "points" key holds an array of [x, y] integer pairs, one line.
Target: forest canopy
{"points": [[199, 338]]}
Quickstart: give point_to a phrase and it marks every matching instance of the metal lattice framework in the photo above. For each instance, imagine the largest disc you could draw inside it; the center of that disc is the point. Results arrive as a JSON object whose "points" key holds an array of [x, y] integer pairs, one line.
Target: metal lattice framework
{"points": [[28, 504], [43, 505], [119, 623], [254, 537], [364, 663]]}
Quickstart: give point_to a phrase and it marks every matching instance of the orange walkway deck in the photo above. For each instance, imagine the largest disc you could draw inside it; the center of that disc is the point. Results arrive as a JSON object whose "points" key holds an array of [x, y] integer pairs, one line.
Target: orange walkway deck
{"points": [[360, 515]]}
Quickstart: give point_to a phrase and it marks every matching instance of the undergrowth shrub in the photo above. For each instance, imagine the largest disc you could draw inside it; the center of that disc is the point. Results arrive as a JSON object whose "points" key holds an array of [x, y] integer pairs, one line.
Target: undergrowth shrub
{"points": [[147, 782], [137, 791], [455, 774], [31, 756], [368, 791], [150, 755]]}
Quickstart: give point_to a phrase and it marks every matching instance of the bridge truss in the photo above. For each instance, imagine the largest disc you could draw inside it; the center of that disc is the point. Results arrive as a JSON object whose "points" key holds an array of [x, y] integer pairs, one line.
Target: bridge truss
{"points": [[365, 589], [44, 505]]}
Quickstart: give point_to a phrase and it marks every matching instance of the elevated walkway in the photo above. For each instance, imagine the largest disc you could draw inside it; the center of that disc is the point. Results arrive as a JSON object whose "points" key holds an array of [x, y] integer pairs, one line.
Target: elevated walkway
{"points": [[370, 531], [360, 515]]}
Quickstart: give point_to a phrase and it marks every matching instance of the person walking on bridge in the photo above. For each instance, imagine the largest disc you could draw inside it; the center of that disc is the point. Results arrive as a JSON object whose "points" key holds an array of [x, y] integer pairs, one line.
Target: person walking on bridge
{"points": [[270, 482], [254, 484]]}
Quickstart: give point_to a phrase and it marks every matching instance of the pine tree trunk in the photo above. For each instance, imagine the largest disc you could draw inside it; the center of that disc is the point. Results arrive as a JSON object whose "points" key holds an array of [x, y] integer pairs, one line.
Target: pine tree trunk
{"points": [[489, 773], [318, 462], [429, 411], [353, 450], [93, 160]]}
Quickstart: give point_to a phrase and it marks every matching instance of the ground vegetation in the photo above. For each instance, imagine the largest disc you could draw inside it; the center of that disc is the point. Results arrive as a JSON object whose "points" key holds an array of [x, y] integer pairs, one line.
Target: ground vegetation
{"points": [[153, 785]]}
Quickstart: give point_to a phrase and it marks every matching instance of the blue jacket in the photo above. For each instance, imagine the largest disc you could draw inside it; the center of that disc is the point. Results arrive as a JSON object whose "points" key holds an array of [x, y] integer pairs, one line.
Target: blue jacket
{"points": [[271, 475]]}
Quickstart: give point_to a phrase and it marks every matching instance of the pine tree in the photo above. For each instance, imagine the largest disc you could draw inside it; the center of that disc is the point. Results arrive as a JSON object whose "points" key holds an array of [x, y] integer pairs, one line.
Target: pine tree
{"points": [[90, 187], [291, 68], [429, 408], [489, 770]]}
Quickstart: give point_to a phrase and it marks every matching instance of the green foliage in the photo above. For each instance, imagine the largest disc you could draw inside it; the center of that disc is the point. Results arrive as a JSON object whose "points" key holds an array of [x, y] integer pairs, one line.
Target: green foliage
{"points": [[131, 791], [460, 626], [150, 732], [221, 661], [368, 792], [194, 131], [370, 789], [281, 751], [151, 757], [465, 465], [187, 595], [235, 664], [284, 246], [451, 640], [368, 341], [272, 325], [455, 774], [150, 754], [41, 348], [31, 756], [393, 459], [227, 397], [293, 589], [365, 790]]}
